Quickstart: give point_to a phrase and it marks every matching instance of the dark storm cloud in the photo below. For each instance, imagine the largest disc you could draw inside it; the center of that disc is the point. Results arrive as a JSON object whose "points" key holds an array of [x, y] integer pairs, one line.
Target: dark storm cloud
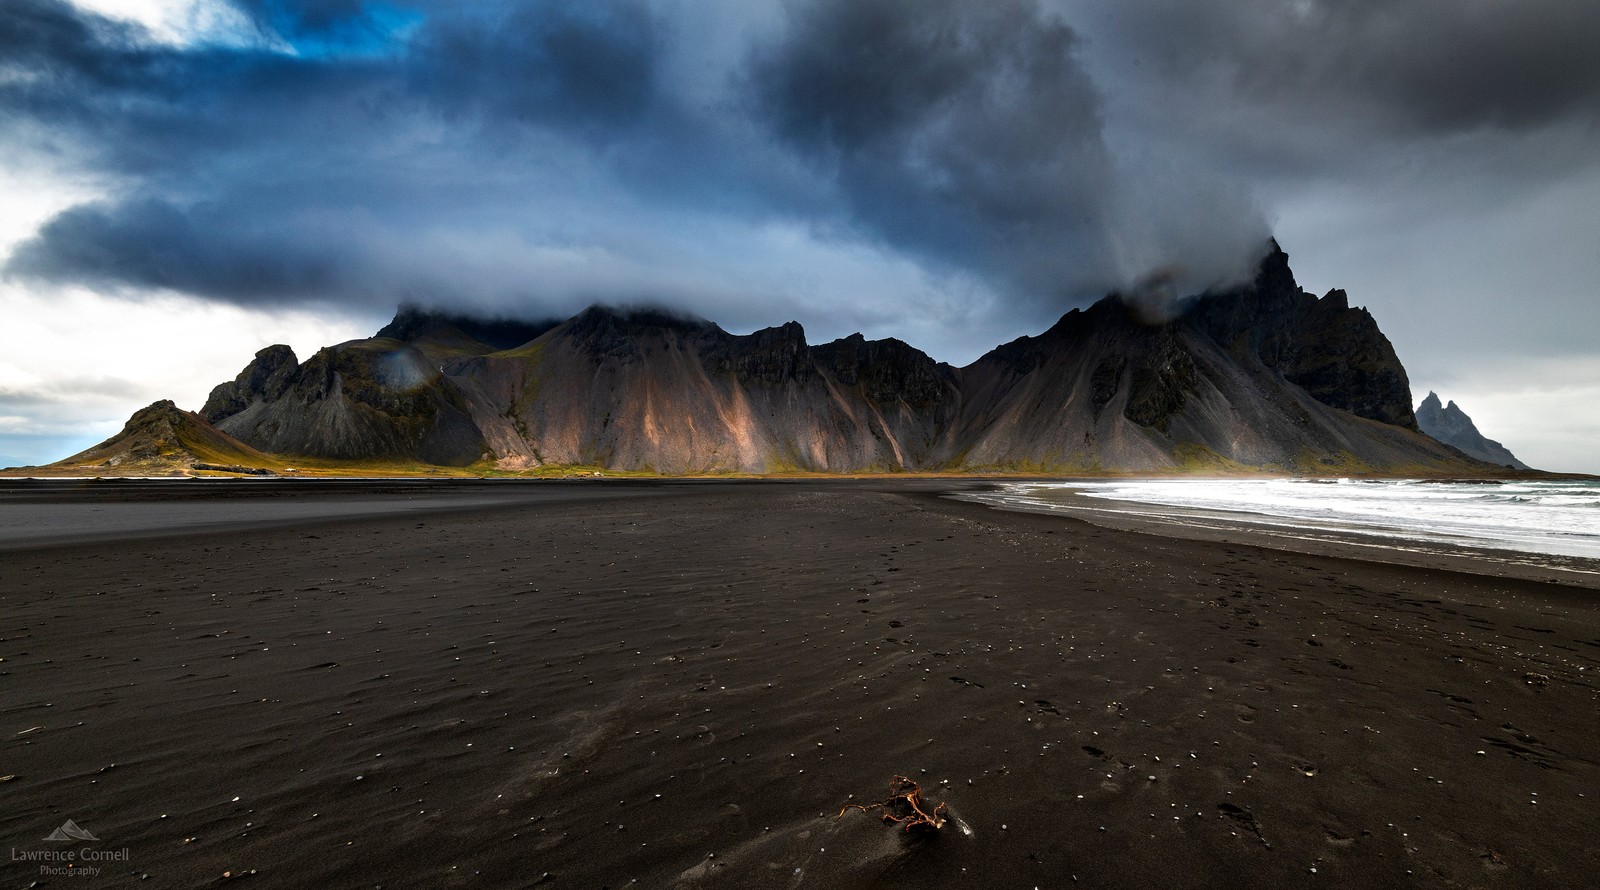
{"points": [[545, 63], [1423, 64], [51, 53], [243, 163], [966, 132], [591, 66], [361, 149], [1316, 88], [965, 136], [149, 243]]}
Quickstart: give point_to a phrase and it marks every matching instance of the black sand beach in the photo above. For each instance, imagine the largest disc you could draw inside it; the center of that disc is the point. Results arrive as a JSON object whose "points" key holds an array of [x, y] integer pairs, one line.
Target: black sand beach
{"points": [[680, 685]]}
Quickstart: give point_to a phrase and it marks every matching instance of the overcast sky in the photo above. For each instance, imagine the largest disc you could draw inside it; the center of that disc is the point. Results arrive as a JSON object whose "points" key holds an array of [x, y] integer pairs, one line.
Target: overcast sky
{"points": [[185, 181]]}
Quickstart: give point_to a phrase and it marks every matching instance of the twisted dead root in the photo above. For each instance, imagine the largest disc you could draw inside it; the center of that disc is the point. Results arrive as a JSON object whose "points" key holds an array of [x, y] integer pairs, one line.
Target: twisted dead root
{"points": [[904, 806]]}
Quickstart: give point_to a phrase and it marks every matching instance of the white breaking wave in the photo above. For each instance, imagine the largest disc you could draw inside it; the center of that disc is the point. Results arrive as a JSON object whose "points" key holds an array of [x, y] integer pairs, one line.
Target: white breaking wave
{"points": [[1559, 518]]}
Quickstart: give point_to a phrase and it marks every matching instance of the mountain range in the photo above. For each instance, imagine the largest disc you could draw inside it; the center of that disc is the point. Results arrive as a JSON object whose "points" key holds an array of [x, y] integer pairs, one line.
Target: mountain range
{"points": [[1263, 377]]}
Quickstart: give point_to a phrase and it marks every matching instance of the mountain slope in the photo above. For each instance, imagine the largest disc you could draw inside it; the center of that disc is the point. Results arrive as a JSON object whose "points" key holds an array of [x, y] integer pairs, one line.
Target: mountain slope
{"points": [[378, 399], [1450, 425], [645, 390], [162, 438], [1265, 377]]}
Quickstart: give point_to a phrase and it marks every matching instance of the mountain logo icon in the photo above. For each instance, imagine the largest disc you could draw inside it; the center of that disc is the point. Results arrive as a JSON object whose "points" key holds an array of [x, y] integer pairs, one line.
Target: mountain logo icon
{"points": [[69, 831]]}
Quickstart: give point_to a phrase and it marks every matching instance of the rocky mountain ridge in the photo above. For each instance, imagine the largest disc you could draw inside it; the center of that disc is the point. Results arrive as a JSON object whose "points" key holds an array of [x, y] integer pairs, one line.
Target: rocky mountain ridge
{"points": [[1264, 377]]}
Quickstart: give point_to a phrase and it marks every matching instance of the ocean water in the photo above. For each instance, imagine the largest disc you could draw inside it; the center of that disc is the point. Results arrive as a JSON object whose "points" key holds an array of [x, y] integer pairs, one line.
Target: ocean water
{"points": [[1559, 518]]}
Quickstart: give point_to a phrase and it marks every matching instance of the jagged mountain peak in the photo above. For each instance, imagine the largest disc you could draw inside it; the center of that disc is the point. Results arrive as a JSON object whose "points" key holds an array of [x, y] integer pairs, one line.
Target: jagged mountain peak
{"points": [[1273, 273], [266, 377]]}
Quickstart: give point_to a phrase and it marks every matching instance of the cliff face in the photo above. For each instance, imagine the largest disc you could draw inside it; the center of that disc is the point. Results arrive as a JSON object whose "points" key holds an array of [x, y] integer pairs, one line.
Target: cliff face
{"points": [[649, 391], [1263, 376], [267, 377], [1334, 353], [1450, 425]]}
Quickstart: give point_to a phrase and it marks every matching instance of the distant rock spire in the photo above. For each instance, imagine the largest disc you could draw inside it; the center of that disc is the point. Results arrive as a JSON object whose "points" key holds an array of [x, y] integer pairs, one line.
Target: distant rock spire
{"points": [[1450, 425]]}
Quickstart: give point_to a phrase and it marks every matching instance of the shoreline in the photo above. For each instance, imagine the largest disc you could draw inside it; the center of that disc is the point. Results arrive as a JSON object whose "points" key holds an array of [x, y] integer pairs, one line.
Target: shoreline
{"points": [[1247, 527], [492, 492]]}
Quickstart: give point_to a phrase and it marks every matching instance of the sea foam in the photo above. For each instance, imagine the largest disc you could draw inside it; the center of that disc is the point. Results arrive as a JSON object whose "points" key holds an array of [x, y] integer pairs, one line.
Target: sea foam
{"points": [[1558, 518]]}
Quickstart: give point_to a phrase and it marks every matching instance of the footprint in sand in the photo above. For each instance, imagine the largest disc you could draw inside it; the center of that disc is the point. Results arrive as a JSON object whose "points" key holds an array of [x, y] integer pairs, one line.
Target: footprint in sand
{"points": [[1337, 838], [1243, 817]]}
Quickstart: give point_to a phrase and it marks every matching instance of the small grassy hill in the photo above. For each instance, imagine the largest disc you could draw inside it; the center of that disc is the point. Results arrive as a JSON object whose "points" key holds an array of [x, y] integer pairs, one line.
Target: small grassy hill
{"points": [[166, 440]]}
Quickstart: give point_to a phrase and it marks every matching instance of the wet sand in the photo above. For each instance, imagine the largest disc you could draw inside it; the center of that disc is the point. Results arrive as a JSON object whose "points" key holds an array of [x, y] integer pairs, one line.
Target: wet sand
{"points": [[684, 688]]}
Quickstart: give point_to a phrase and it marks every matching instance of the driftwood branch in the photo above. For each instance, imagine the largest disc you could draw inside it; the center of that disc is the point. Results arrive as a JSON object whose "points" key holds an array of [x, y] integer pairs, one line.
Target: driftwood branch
{"points": [[904, 806]]}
